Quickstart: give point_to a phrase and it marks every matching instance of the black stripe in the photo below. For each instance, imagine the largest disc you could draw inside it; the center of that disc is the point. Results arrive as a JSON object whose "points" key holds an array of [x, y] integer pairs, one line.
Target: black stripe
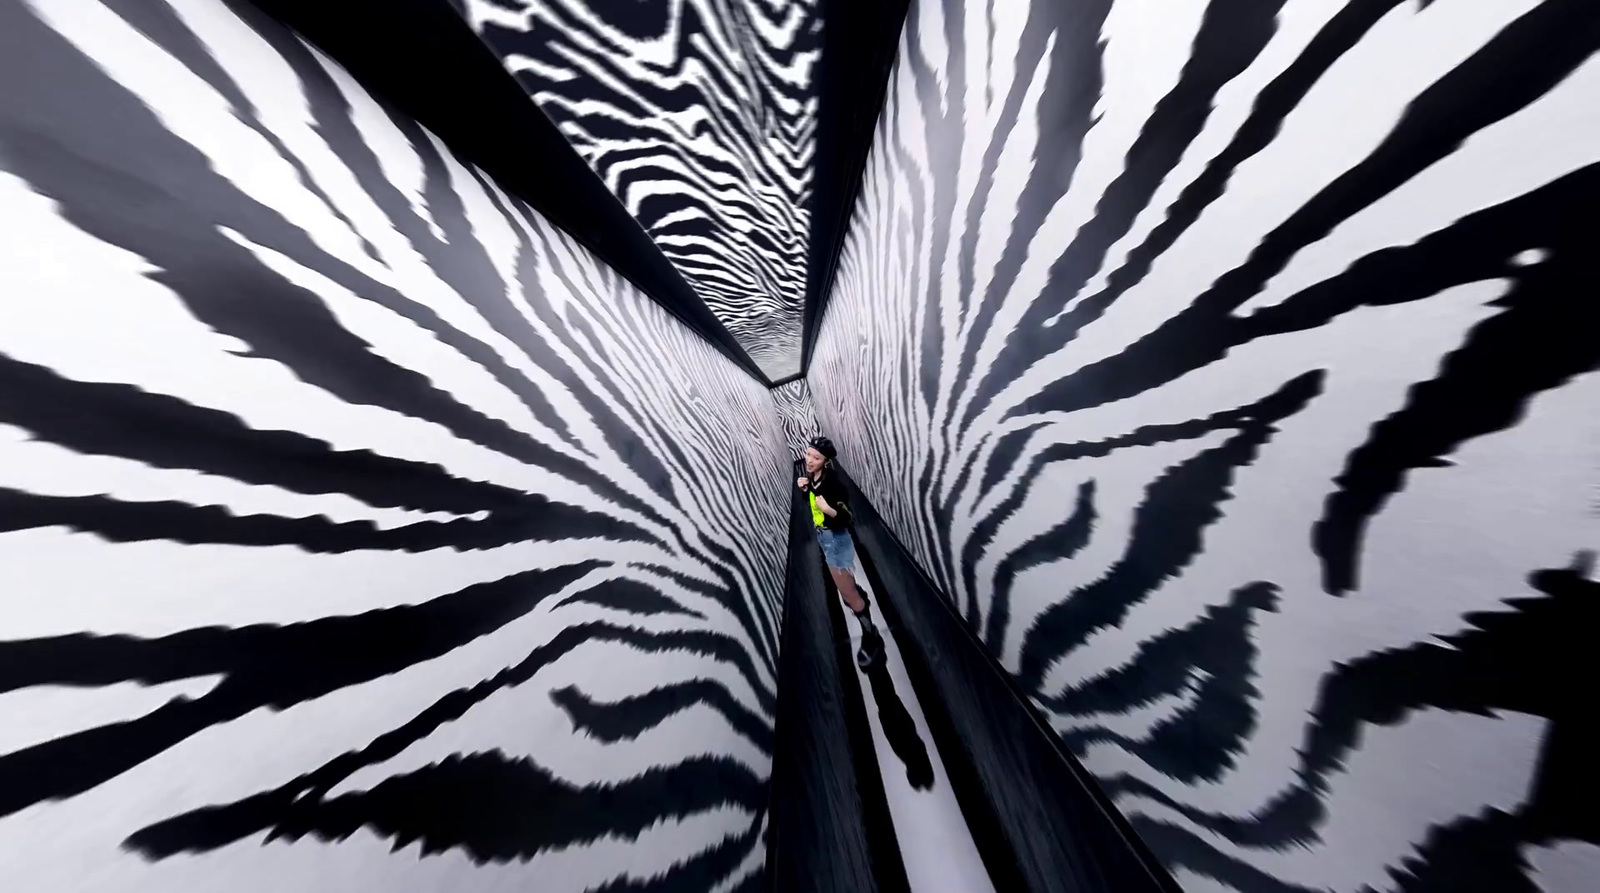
{"points": [[633, 597], [1514, 69], [1065, 113], [262, 666], [108, 419], [1205, 738], [493, 807], [1232, 34], [1058, 543], [1168, 526], [1522, 660], [633, 716], [128, 522], [159, 197], [1543, 339]]}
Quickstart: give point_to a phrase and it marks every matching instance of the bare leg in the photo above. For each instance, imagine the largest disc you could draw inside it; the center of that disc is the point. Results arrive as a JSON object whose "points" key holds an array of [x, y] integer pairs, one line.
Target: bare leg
{"points": [[847, 590]]}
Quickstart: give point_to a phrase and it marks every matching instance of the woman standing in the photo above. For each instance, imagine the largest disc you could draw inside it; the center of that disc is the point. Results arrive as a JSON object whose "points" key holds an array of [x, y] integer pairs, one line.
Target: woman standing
{"points": [[830, 514]]}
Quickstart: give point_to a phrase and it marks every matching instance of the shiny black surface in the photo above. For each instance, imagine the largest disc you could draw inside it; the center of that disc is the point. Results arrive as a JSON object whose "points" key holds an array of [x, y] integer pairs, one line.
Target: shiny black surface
{"points": [[1039, 821]]}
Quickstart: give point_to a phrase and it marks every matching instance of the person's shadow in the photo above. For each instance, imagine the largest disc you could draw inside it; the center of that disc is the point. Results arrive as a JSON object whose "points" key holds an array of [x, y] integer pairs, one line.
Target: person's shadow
{"points": [[898, 726]]}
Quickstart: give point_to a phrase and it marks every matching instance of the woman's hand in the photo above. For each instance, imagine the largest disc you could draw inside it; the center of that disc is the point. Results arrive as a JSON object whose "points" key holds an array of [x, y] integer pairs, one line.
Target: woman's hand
{"points": [[823, 505], [802, 483]]}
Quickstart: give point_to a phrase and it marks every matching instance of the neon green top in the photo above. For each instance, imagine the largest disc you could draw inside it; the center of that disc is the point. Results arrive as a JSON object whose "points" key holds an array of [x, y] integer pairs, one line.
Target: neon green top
{"points": [[817, 517]]}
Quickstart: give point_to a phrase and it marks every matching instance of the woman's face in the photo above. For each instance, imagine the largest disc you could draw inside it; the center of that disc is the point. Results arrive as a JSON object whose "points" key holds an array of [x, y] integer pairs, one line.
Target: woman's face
{"points": [[814, 460]]}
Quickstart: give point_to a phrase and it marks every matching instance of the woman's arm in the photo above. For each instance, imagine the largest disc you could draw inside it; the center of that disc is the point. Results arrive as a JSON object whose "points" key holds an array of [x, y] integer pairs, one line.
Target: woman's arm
{"points": [[825, 507]]}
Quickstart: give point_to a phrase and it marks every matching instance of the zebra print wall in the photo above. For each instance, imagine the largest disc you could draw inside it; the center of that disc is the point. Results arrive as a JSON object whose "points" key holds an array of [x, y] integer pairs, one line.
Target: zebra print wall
{"points": [[358, 529], [699, 115], [1231, 365], [793, 401]]}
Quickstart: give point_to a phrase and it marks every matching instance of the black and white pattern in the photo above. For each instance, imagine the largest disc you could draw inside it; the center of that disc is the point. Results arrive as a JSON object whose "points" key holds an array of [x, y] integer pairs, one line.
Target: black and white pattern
{"points": [[1233, 365], [700, 116], [358, 530], [793, 401]]}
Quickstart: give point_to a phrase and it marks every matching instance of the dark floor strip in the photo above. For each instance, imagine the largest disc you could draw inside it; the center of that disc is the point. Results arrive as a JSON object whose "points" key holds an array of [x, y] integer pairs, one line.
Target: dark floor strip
{"points": [[1040, 822], [830, 830]]}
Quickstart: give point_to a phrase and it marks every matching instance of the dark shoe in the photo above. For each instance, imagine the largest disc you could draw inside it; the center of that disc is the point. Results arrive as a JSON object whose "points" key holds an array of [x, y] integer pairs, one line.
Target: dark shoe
{"points": [[871, 651]]}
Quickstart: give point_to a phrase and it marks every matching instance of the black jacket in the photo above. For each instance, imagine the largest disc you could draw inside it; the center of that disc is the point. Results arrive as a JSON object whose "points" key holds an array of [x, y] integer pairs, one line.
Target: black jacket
{"points": [[827, 485]]}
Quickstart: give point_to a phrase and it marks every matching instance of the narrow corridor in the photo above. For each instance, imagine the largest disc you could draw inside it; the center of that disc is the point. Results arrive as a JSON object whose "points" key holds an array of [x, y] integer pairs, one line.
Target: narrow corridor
{"points": [[397, 398], [934, 842]]}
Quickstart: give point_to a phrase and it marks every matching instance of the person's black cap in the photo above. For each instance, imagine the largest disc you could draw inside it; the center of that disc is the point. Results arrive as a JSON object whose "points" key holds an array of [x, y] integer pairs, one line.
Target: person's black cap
{"points": [[824, 446]]}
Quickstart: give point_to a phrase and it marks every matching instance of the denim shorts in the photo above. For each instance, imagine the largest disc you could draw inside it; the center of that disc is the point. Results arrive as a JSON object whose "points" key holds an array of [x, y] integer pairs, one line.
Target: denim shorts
{"points": [[838, 548]]}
